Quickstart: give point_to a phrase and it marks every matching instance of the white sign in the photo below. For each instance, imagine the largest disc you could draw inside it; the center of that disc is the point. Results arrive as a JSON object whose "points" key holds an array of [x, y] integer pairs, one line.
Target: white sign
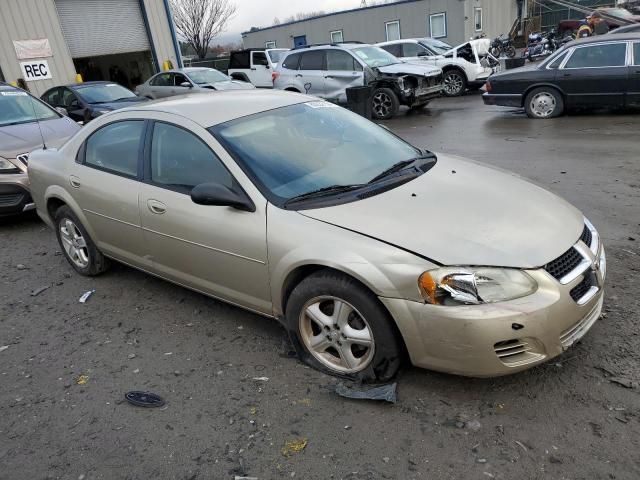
{"points": [[35, 70], [27, 49]]}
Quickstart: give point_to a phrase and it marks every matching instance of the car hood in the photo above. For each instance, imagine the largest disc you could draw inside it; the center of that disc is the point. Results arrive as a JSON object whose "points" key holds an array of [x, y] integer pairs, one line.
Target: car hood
{"points": [[465, 213], [120, 104], [229, 85], [24, 138], [410, 69]]}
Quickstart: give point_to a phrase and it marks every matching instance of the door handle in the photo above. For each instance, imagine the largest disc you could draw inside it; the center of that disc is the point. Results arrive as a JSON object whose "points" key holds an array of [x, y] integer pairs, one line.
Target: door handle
{"points": [[567, 75], [254, 68], [298, 75], [156, 207], [74, 181]]}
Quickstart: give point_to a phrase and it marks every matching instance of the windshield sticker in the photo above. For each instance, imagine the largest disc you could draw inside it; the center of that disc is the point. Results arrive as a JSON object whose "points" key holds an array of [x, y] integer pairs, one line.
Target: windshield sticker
{"points": [[319, 104], [14, 94]]}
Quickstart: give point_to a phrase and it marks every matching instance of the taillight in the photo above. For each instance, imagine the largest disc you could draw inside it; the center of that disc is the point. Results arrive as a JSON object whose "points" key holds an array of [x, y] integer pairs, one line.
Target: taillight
{"points": [[487, 86], [274, 76]]}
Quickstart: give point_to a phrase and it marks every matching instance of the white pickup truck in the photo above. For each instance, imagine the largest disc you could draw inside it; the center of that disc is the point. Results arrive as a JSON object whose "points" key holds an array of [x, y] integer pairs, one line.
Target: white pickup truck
{"points": [[255, 65]]}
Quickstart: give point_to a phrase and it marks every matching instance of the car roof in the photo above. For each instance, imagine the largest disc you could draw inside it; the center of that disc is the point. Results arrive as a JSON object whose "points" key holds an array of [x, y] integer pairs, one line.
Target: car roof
{"points": [[6, 87], [191, 69], [604, 38], [634, 27], [223, 106]]}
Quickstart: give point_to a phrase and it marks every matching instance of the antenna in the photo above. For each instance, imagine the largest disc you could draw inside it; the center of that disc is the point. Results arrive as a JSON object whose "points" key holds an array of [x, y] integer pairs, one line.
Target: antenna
{"points": [[35, 115]]}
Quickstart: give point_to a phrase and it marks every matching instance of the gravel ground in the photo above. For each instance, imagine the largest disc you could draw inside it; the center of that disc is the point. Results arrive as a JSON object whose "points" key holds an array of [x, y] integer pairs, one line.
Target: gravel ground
{"points": [[67, 365]]}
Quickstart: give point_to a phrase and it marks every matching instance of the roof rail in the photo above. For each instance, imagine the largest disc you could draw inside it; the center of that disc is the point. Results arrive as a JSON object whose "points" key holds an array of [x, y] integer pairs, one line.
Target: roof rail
{"points": [[333, 44]]}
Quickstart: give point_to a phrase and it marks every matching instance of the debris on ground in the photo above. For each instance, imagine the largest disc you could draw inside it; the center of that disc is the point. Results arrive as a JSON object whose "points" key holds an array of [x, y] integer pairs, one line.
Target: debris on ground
{"points": [[21, 267], [144, 399], [38, 291], [3, 348], [85, 296], [294, 446], [244, 478], [473, 425], [261, 379], [625, 382], [82, 379], [385, 393]]}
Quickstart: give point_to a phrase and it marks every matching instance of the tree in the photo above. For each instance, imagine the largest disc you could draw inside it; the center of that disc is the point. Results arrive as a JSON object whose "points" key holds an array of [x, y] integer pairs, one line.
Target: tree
{"points": [[200, 21]]}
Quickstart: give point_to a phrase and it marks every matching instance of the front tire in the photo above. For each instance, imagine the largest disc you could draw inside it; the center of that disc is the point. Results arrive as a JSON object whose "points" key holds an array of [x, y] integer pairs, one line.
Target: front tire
{"points": [[77, 245], [544, 102], [455, 83], [338, 326], [384, 104], [511, 51]]}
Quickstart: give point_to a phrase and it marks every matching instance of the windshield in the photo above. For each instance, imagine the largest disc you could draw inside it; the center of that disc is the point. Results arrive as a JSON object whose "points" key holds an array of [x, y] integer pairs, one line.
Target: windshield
{"points": [[375, 57], [617, 12], [210, 75], [276, 55], [19, 107], [436, 45], [104, 93], [294, 150]]}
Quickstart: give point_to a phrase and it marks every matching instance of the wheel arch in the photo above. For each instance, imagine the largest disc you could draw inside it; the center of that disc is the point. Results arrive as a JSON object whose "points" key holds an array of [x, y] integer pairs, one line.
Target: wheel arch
{"points": [[56, 197], [453, 66], [240, 76]]}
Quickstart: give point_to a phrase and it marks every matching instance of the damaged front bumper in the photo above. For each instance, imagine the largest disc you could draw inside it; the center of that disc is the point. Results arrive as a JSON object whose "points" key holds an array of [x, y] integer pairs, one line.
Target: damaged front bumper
{"points": [[420, 96], [495, 339]]}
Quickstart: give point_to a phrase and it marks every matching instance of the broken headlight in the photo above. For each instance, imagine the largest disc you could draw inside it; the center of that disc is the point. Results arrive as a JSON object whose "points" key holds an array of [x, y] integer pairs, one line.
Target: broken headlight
{"points": [[474, 286]]}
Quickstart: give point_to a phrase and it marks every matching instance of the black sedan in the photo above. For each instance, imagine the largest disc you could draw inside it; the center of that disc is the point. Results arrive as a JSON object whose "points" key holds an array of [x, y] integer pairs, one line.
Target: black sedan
{"points": [[85, 101], [595, 72]]}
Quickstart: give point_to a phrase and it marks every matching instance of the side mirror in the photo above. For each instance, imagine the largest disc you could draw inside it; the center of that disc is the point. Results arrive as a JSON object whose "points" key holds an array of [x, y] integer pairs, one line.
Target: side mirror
{"points": [[219, 195], [62, 111], [186, 85], [423, 54]]}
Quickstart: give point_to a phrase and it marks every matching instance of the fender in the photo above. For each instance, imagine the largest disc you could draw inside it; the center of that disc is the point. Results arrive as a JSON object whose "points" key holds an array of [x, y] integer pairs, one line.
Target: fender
{"points": [[59, 193]]}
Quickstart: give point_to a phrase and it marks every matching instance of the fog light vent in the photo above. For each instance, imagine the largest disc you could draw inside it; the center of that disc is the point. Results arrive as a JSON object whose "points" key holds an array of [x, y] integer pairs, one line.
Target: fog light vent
{"points": [[518, 352]]}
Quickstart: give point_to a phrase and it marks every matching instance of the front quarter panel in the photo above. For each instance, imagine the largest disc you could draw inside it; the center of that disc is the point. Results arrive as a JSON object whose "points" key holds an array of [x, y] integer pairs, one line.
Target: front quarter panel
{"points": [[296, 241]]}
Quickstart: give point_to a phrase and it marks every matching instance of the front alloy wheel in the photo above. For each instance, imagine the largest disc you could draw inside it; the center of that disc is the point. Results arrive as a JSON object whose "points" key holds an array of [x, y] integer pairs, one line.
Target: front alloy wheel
{"points": [[454, 83], [336, 334]]}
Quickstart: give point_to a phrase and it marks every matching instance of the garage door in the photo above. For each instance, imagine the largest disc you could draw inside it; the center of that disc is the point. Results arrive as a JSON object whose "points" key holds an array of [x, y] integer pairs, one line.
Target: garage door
{"points": [[102, 27]]}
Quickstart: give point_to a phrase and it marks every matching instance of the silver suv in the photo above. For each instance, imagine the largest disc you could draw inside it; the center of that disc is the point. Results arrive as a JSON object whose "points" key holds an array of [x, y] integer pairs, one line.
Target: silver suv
{"points": [[327, 71]]}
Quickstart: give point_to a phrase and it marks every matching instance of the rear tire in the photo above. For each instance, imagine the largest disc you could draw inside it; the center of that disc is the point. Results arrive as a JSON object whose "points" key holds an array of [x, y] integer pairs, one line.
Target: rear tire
{"points": [[455, 83], [77, 246], [511, 51], [384, 104], [543, 103], [339, 327]]}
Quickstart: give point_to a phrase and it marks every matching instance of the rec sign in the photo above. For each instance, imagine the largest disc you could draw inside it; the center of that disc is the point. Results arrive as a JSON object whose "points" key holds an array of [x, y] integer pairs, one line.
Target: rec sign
{"points": [[35, 70]]}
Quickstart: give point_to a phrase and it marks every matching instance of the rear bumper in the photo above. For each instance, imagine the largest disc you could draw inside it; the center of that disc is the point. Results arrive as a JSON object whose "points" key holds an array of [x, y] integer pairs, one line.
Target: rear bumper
{"points": [[504, 100], [14, 195]]}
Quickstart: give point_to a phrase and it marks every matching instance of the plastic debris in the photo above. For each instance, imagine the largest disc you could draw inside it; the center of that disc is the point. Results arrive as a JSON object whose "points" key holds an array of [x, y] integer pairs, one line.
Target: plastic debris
{"points": [[625, 382], [261, 379], [294, 446], [245, 478], [385, 393], [82, 379], [3, 348], [144, 399], [85, 296], [38, 291]]}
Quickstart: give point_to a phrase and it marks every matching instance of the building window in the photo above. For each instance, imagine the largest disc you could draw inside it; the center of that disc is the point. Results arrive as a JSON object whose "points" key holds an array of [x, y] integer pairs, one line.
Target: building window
{"points": [[337, 37], [477, 18], [270, 45], [393, 30], [438, 25]]}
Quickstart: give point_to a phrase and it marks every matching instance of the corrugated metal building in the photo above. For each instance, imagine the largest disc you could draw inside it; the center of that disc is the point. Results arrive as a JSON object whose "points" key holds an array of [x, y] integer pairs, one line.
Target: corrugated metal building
{"points": [[453, 21], [47, 42]]}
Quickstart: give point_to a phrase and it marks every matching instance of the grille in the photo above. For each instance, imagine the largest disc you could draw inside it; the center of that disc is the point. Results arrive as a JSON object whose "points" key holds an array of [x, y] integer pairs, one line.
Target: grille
{"points": [[583, 287], [518, 352], [10, 200], [586, 236], [564, 264]]}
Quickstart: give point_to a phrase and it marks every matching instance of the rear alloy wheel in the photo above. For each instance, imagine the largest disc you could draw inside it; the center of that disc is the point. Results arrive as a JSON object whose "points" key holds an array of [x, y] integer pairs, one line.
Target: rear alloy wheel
{"points": [[455, 83], [543, 103], [384, 104], [338, 326], [78, 248]]}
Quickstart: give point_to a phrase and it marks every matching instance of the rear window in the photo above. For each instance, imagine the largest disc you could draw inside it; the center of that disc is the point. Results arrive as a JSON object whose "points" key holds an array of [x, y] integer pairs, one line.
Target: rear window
{"points": [[292, 61], [312, 60], [239, 60]]}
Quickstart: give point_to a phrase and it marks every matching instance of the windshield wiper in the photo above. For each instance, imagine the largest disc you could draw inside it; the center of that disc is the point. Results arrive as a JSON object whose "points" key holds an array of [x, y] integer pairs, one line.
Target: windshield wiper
{"points": [[332, 189], [400, 166]]}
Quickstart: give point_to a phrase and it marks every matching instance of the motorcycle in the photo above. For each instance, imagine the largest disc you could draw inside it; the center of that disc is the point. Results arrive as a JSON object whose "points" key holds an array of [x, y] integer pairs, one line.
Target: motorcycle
{"points": [[502, 45], [541, 45]]}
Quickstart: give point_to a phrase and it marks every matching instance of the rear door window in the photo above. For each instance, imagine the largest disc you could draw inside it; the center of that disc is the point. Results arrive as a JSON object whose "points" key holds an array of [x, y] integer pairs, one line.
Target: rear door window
{"points": [[239, 60], [338, 60], [116, 147], [636, 53], [555, 64], [292, 61], [599, 56], [313, 60]]}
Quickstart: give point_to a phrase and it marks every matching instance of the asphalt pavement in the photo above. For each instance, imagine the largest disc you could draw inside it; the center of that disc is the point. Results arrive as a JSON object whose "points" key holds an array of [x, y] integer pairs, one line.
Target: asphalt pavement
{"points": [[238, 405]]}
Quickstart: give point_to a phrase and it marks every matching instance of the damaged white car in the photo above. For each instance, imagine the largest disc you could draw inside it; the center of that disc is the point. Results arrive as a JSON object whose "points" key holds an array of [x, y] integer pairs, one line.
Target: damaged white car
{"points": [[466, 66]]}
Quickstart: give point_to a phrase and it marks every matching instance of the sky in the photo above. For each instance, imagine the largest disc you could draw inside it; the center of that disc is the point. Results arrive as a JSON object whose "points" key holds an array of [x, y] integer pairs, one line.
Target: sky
{"points": [[260, 13]]}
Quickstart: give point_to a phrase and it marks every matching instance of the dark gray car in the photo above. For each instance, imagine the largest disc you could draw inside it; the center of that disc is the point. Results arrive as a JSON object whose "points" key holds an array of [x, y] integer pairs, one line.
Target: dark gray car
{"points": [[189, 80], [24, 122]]}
